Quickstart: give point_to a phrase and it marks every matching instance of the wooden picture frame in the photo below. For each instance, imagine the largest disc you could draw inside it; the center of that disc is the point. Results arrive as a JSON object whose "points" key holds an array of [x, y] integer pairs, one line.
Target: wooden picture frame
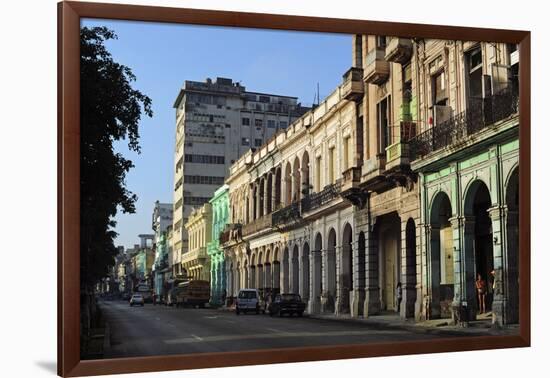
{"points": [[69, 15]]}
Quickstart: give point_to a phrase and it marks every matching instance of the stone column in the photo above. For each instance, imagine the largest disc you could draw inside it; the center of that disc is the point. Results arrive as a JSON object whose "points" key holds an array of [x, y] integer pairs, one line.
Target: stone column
{"points": [[372, 285], [314, 278], [467, 277], [358, 296], [294, 272], [342, 292], [325, 306], [500, 300]]}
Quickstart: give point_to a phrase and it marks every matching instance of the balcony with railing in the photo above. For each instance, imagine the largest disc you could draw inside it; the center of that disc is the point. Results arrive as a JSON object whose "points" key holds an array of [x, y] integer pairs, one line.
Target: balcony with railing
{"points": [[257, 225], [351, 178], [287, 216], [352, 86], [397, 154], [480, 114], [377, 68], [399, 50], [315, 201], [231, 233]]}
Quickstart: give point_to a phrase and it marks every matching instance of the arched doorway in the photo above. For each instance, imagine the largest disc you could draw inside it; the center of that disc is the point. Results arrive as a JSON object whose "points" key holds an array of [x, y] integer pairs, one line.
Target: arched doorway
{"points": [[277, 189], [252, 272], [346, 275], [261, 195], [245, 281], [478, 243], [511, 264], [330, 267], [305, 174], [285, 287], [269, 189], [295, 273], [296, 181], [304, 289], [276, 272], [440, 259], [409, 286], [288, 184], [268, 272], [388, 231], [317, 274]]}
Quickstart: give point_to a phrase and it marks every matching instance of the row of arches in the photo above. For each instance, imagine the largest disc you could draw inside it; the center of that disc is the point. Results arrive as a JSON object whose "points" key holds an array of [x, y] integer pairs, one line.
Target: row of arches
{"points": [[326, 274], [281, 186], [481, 244]]}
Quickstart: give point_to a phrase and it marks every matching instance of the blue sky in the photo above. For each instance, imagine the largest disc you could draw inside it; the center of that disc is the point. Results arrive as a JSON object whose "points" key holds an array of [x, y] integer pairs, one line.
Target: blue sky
{"points": [[163, 56]]}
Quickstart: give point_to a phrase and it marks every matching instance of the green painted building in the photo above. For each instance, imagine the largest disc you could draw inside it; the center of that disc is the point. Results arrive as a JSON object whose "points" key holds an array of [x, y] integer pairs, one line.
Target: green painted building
{"points": [[469, 185], [220, 217]]}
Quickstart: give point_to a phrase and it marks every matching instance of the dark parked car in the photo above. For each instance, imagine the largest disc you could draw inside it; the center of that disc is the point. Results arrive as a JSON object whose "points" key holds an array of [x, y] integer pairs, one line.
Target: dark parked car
{"points": [[287, 304]]}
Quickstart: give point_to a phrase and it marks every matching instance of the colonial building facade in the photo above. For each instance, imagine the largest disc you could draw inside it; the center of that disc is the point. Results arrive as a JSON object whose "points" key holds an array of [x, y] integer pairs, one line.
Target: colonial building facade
{"points": [[394, 193], [220, 216], [217, 121], [196, 263]]}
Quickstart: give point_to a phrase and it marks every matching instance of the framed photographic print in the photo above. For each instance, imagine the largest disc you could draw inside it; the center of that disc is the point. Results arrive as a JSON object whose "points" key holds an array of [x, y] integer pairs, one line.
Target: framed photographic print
{"points": [[240, 188]]}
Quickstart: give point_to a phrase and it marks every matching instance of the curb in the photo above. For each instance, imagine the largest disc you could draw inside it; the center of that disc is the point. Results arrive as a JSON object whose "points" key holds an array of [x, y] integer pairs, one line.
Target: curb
{"points": [[410, 328]]}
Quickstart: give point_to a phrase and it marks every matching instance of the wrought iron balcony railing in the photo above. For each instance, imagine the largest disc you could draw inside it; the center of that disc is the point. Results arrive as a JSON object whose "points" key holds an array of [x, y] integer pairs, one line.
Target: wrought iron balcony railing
{"points": [[481, 113], [286, 215], [314, 201]]}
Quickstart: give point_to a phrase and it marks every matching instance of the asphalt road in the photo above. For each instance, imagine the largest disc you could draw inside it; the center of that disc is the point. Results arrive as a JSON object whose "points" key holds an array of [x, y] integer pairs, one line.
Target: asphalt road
{"points": [[161, 330]]}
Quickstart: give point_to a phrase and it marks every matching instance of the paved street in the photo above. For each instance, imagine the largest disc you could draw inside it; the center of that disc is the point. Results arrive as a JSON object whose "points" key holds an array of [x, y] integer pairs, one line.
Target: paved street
{"points": [[156, 330]]}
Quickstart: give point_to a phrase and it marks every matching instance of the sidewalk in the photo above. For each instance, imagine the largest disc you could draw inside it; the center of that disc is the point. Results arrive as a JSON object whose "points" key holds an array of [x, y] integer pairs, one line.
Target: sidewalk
{"points": [[390, 321], [481, 327]]}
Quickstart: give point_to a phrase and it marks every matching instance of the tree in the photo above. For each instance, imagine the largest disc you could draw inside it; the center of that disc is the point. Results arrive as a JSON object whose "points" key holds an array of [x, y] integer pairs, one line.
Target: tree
{"points": [[110, 110]]}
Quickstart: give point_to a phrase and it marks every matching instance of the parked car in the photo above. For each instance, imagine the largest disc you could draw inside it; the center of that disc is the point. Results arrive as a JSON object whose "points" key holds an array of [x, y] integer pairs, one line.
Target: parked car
{"points": [[287, 304], [137, 299], [248, 300]]}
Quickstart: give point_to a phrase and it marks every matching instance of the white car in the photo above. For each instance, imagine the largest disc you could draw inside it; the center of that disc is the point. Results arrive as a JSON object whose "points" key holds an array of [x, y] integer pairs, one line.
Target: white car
{"points": [[248, 300], [137, 299]]}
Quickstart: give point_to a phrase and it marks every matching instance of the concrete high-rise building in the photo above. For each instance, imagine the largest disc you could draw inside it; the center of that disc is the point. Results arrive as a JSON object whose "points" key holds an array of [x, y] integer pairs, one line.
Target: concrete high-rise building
{"points": [[217, 122]]}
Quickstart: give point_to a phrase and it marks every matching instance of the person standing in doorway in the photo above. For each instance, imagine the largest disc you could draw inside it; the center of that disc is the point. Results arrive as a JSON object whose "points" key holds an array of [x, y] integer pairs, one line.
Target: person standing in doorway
{"points": [[481, 288], [399, 296]]}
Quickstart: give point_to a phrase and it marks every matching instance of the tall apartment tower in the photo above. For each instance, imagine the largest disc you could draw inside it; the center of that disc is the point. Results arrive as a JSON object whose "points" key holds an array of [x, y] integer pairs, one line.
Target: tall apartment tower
{"points": [[216, 123]]}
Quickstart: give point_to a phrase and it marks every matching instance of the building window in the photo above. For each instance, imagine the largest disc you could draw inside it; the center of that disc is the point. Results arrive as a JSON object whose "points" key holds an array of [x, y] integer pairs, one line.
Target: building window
{"points": [[246, 121], [381, 42], [258, 122], [283, 124], [474, 78], [347, 154], [331, 166], [205, 180], [195, 201], [271, 123], [318, 174], [257, 142], [245, 142], [439, 93], [383, 109], [204, 159], [264, 98]]}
